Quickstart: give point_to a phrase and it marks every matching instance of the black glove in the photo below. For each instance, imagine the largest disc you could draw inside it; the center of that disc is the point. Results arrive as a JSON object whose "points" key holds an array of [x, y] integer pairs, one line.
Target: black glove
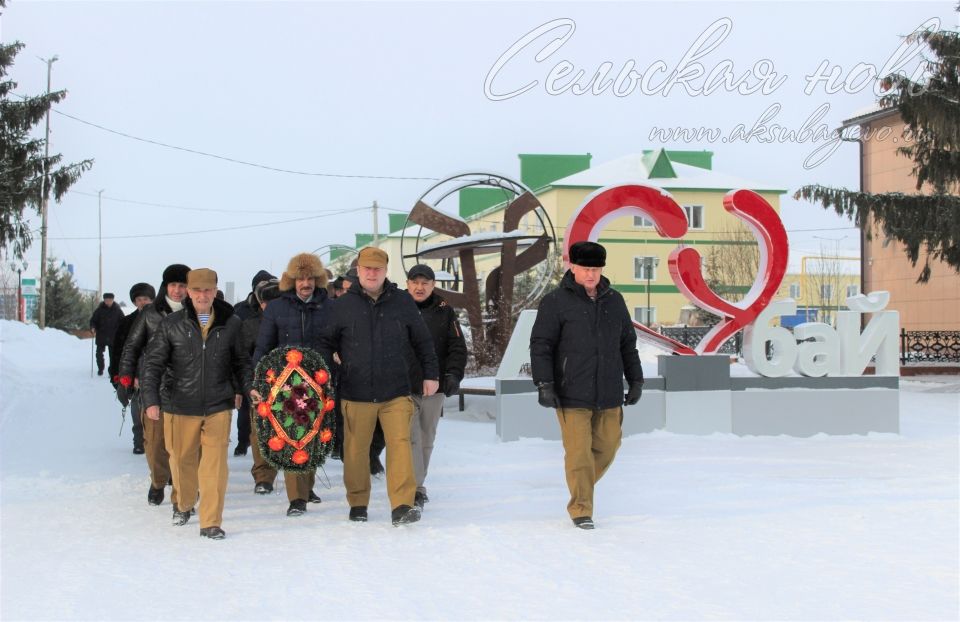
{"points": [[123, 395], [451, 385], [633, 394], [547, 397]]}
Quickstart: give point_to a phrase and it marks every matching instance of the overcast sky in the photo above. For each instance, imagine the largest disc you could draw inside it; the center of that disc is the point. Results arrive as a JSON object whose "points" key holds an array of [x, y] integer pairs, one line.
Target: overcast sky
{"points": [[398, 90]]}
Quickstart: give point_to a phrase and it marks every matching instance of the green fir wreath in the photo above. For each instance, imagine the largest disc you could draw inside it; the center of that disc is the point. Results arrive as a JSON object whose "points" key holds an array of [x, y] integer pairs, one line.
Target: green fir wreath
{"points": [[295, 420]]}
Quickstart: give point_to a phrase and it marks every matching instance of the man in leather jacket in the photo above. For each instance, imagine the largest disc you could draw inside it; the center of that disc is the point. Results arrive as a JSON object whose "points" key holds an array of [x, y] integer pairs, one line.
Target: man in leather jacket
{"points": [[200, 347], [582, 346]]}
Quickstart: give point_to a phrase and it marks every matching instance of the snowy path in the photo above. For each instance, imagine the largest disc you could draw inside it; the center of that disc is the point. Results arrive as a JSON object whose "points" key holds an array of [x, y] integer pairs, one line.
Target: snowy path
{"points": [[714, 527]]}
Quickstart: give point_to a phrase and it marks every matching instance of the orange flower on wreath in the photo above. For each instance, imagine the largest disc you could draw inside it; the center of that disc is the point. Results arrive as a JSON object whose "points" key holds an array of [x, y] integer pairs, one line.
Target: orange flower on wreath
{"points": [[300, 456], [294, 357], [271, 376], [263, 409], [276, 443], [321, 376], [326, 435]]}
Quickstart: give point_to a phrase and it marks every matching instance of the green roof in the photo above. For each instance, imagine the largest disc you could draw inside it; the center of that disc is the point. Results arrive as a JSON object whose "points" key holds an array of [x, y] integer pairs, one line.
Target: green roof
{"points": [[397, 221], [700, 159], [658, 164], [475, 200], [362, 239], [539, 169]]}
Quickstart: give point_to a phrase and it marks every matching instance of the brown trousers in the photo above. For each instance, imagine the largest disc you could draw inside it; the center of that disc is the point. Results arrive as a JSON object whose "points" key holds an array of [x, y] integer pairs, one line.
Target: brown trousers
{"points": [[590, 442], [195, 471], [299, 485], [155, 451], [359, 421], [262, 472]]}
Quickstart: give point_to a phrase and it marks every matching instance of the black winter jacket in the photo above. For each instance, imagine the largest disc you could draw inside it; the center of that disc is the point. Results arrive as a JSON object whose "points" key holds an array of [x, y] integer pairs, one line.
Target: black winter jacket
{"points": [[143, 328], [105, 321], [373, 338], [585, 347], [448, 343], [289, 321], [205, 375], [119, 339]]}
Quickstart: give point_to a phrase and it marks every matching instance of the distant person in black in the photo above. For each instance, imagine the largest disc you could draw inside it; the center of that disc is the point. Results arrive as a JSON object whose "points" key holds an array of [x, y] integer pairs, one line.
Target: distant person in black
{"points": [[104, 323], [141, 295]]}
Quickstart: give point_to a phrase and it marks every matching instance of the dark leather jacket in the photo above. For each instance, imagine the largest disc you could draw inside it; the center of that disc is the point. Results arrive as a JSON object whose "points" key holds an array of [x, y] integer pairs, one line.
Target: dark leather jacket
{"points": [[205, 375]]}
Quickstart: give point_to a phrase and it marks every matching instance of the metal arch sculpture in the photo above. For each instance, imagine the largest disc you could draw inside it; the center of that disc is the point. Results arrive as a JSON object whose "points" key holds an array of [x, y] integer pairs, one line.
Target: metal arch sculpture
{"points": [[685, 265], [498, 295]]}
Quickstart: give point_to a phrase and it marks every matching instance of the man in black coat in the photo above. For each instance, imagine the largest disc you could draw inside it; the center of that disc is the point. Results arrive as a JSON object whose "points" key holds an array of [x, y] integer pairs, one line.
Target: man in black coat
{"points": [[451, 349], [297, 318], [141, 295], [173, 291], [246, 309], [264, 475], [104, 322], [200, 347], [372, 328], [582, 346]]}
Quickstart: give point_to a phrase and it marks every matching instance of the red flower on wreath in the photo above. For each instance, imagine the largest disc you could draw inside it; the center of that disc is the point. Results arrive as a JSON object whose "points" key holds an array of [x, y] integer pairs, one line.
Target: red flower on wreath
{"points": [[321, 376], [328, 405], [263, 409], [294, 357], [300, 456], [276, 443], [326, 435], [271, 376], [126, 381]]}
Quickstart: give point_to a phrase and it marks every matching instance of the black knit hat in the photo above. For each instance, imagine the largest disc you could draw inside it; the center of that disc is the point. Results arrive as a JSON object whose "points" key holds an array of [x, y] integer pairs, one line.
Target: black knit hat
{"points": [[142, 289], [588, 255], [263, 275], [175, 273]]}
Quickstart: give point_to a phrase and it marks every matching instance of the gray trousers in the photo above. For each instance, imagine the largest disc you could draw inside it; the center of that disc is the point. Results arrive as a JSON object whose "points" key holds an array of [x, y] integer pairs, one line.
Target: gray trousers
{"points": [[423, 430]]}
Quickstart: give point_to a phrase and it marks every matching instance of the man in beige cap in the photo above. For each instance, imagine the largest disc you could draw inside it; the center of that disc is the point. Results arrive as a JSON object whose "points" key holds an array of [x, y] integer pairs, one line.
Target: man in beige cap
{"points": [[372, 327], [199, 346]]}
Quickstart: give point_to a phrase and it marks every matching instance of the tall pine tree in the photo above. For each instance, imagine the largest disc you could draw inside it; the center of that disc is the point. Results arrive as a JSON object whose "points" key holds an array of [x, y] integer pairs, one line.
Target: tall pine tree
{"points": [[68, 308], [931, 111], [22, 163]]}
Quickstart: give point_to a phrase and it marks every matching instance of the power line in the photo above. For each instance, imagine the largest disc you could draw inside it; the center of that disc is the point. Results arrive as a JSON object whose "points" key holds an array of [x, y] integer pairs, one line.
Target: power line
{"points": [[237, 161], [207, 209], [177, 233]]}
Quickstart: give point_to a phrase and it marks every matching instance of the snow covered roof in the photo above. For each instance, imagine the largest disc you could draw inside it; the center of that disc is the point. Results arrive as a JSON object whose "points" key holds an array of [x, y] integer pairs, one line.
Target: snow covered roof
{"points": [[638, 167]]}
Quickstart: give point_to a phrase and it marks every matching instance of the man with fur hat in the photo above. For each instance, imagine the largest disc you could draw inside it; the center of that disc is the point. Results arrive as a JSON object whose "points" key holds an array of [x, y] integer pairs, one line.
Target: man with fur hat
{"points": [[173, 291], [200, 348], [141, 295], [297, 318], [582, 346], [372, 328], [104, 322], [263, 474], [246, 309]]}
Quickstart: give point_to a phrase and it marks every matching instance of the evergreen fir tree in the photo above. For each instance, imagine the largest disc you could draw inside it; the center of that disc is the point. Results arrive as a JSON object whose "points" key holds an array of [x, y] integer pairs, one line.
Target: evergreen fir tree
{"points": [[22, 163], [931, 111], [67, 307]]}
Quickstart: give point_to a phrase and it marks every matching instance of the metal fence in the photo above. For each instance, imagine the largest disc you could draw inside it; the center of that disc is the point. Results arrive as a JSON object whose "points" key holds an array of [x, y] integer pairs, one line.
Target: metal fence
{"points": [[929, 346], [691, 336]]}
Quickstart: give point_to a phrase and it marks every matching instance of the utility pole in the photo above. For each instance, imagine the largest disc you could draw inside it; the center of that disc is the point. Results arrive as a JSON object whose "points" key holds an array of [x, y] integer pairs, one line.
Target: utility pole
{"points": [[44, 199], [376, 228], [100, 243]]}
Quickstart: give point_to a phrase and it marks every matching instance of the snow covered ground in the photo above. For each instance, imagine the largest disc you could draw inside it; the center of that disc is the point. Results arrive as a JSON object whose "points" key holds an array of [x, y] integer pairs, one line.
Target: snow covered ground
{"points": [[716, 527]]}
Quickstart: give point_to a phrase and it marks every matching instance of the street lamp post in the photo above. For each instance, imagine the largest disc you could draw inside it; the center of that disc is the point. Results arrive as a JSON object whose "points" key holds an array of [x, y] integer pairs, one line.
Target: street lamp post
{"points": [[100, 243], [649, 264]]}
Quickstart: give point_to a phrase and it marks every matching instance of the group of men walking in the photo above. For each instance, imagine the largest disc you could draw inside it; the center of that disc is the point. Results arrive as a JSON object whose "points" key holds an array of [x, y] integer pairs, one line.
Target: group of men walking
{"points": [[186, 361]]}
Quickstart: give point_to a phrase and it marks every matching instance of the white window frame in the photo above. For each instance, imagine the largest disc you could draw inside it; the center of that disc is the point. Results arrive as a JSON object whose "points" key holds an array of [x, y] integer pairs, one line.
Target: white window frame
{"points": [[642, 222], [689, 211], [852, 290], [795, 291], [826, 291], [640, 312], [653, 276]]}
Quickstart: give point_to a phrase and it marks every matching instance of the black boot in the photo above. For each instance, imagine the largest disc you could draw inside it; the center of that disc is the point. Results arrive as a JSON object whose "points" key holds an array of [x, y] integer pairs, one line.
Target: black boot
{"points": [[155, 496], [297, 507], [358, 514], [404, 514]]}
